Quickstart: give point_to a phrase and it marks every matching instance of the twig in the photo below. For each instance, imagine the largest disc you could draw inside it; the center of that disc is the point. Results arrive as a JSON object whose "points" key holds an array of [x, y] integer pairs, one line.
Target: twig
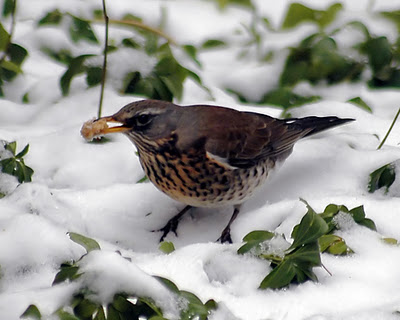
{"points": [[104, 71], [11, 33], [390, 129], [143, 26]]}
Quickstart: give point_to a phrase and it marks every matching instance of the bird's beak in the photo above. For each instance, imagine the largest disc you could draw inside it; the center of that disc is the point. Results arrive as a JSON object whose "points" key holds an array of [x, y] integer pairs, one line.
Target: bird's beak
{"points": [[112, 129]]}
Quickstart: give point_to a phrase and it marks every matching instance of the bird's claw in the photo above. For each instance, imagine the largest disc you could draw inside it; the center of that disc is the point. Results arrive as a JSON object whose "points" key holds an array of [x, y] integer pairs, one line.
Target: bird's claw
{"points": [[225, 236], [172, 225]]}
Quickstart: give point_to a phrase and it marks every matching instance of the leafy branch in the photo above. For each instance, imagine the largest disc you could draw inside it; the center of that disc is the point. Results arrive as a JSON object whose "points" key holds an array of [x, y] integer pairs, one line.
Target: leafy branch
{"points": [[312, 236]]}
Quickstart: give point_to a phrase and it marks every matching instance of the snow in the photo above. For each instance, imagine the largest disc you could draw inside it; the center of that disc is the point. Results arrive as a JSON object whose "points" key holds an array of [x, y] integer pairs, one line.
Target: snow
{"points": [[91, 189]]}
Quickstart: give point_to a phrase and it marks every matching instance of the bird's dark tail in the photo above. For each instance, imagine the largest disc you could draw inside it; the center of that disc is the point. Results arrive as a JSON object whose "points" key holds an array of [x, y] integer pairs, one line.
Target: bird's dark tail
{"points": [[316, 124]]}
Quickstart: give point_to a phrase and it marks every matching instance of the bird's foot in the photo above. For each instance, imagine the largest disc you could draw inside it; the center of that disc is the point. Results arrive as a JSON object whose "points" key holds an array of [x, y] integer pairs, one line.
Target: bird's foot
{"points": [[225, 236], [172, 225]]}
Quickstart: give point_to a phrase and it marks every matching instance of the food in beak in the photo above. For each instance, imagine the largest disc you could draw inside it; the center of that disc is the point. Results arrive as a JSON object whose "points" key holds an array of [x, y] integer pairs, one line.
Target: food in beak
{"points": [[99, 127]]}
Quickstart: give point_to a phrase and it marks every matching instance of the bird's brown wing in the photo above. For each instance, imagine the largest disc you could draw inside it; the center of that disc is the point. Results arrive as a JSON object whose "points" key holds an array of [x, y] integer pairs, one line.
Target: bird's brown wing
{"points": [[241, 139]]}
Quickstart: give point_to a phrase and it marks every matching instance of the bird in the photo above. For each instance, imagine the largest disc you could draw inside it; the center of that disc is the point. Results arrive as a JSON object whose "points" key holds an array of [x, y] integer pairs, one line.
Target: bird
{"points": [[209, 156]]}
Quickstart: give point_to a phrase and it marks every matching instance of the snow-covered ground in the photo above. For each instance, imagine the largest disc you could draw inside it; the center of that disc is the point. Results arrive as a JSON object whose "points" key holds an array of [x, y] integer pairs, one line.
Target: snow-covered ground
{"points": [[91, 189]]}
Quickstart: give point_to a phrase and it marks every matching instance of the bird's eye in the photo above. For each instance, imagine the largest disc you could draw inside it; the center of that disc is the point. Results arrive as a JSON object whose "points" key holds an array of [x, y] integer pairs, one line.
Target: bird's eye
{"points": [[143, 119]]}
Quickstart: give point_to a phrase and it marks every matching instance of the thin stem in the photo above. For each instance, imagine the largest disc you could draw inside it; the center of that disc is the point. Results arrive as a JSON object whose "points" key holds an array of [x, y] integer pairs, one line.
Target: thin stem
{"points": [[12, 28], [143, 26], [390, 129], [104, 71]]}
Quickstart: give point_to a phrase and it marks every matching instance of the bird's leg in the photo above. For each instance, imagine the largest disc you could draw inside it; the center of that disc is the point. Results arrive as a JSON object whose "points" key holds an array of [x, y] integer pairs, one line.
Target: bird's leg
{"points": [[226, 233], [172, 223]]}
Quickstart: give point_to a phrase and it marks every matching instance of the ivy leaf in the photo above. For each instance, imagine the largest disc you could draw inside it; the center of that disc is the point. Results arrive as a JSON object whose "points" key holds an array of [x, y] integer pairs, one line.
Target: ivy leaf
{"points": [[10, 66], [310, 228], [298, 13], [12, 147], [32, 312], [360, 103], [382, 177], [379, 54], [333, 244], [22, 153], [67, 271], [254, 239], [213, 43], [280, 277], [88, 243], [85, 309], [64, 315], [81, 30], [93, 76], [4, 38], [286, 98], [192, 53], [76, 66], [53, 18]]}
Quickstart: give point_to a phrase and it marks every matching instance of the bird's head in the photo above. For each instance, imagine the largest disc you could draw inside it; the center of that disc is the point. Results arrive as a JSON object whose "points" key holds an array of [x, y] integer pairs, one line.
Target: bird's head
{"points": [[145, 120]]}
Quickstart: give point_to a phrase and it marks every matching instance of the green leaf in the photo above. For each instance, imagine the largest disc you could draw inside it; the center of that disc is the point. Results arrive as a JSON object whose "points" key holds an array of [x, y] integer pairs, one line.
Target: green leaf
{"points": [[10, 66], [213, 43], [9, 166], [192, 53], [131, 43], [280, 277], [88, 243], [360, 26], [360, 103], [8, 7], [94, 76], [4, 38], [11, 146], [15, 165], [166, 247], [144, 179], [379, 54], [310, 228], [23, 152], [298, 13], [394, 16], [53, 17], [112, 314], [64, 315], [75, 67], [328, 16], [308, 255], [100, 315], [382, 177], [391, 241], [368, 223], [258, 235], [32, 312], [333, 244], [286, 98], [85, 309], [67, 272], [245, 3], [16, 53], [81, 30], [23, 172], [169, 284], [63, 56], [254, 239]]}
